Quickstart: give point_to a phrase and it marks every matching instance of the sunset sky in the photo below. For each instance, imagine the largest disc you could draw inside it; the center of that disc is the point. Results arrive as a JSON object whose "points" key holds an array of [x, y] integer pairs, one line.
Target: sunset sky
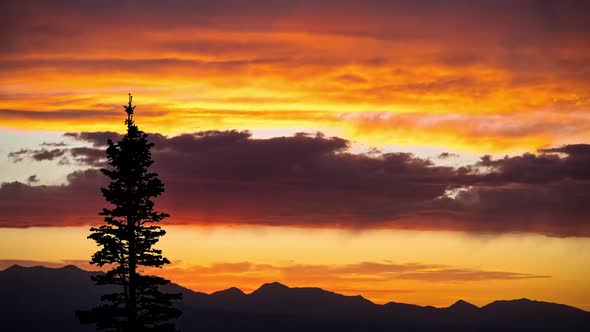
{"points": [[411, 151]]}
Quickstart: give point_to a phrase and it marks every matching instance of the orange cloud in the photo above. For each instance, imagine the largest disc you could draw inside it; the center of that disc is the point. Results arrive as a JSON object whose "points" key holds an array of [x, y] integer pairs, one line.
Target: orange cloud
{"points": [[510, 77]]}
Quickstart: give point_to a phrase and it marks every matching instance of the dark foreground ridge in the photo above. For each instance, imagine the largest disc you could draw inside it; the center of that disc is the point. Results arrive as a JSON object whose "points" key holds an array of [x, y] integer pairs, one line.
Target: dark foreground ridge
{"points": [[44, 299]]}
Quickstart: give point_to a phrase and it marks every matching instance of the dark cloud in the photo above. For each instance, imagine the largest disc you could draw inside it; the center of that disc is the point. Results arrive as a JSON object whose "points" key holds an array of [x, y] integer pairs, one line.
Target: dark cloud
{"points": [[557, 209], [541, 16], [53, 144], [32, 179], [88, 156], [545, 193], [447, 155], [572, 149], [547, 167], [504, 32], [38, 154], [84, 156], [314, 181], [98, 139], [24, 205]]}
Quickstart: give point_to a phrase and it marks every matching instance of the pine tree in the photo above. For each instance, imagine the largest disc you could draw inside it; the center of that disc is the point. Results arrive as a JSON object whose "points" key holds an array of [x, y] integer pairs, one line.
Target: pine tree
{"points": [[127, 241]]}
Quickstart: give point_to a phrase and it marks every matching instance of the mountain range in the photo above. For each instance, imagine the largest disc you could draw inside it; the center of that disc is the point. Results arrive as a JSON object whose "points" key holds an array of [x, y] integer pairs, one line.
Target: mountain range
{"points": [[44, 299]]}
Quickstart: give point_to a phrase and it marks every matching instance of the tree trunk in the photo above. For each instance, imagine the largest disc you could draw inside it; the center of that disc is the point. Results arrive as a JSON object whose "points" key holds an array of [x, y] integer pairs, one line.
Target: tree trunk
{"points": [[132, 301]]}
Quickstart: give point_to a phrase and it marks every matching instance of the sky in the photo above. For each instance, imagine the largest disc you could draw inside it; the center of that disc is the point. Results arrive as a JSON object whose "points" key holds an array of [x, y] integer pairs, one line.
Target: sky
{"points": [[408, 151]]}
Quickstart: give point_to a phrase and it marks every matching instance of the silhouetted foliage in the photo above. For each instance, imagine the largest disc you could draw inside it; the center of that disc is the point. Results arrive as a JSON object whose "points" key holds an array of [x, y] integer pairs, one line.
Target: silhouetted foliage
{"points": [[127, 240]]}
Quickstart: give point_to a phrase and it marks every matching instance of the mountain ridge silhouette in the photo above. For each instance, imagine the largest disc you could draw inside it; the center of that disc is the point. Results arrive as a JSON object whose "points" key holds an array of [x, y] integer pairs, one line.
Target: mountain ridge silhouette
{"points": [[28, 303]]}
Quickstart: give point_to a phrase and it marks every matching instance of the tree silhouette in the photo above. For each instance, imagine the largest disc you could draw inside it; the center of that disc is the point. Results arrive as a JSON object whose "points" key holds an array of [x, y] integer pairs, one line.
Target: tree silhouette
{"points": [[127, 241]]}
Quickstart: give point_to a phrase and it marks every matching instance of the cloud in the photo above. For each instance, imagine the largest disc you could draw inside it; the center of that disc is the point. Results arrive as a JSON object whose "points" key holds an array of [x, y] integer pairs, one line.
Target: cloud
{"points": [[55, 114], [351, 78], [556, 209], [474, 131], [571, 149], [229, 177], [508, 76], [54, 144], [76, 203], [88, 156], [531, 192], [32, 179], [547, 167], [257, 15], [84, 156], [460, 275], [378, 273], [447, 155], [98, 139], [37, 155]]}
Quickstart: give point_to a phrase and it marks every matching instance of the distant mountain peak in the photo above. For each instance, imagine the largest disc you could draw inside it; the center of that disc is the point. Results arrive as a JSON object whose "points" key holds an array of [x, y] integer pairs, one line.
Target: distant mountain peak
{"points": [[20, 268], [272, 286], [522, 301], [229, 291], [463, 305], [525, 304], [15, 267], [71, 267]]}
